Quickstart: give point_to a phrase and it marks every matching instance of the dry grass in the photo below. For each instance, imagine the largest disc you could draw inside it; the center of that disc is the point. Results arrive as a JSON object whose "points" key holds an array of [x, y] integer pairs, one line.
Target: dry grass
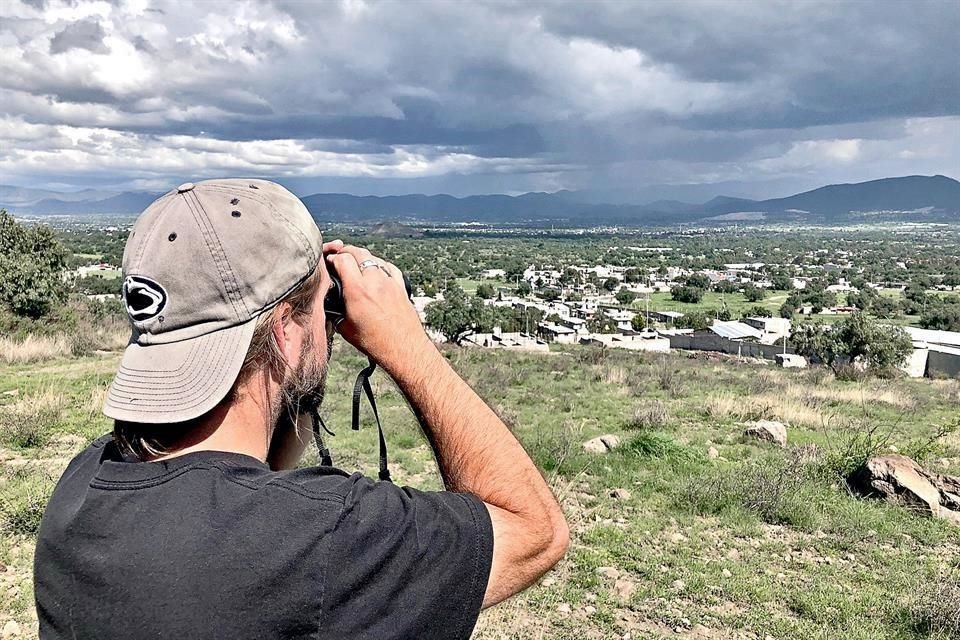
{"points": [[764, 407], [614, 376], [649, 415], [34, 348], [858, 396], [94, 404]]}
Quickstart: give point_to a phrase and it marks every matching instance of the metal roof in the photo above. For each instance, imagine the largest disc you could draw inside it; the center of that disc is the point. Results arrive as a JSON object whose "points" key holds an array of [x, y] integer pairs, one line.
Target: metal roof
{"points": [[735, 330], [936, 337]]}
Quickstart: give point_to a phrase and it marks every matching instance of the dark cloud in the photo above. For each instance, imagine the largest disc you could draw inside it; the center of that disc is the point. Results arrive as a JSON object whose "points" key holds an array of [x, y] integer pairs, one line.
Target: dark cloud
{"points": [[86, 34], [495, 93]]}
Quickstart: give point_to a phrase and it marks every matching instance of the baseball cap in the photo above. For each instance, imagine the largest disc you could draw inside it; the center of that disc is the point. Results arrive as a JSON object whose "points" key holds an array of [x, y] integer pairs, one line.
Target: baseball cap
{"points": [[201, 264]]}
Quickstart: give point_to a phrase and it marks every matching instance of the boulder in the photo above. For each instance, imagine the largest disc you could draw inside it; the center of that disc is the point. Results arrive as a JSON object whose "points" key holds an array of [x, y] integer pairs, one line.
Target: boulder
{"points": [[768, 431], [602, 444], [900, 480]]}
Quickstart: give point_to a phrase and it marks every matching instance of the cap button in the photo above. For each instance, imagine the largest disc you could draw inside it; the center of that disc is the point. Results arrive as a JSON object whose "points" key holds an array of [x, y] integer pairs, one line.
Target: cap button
{"points": [[186, 186]]}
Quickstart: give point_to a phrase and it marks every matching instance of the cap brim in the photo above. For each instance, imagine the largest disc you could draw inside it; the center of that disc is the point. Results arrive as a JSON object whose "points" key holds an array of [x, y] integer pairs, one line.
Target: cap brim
{"points": [[179, 381]]}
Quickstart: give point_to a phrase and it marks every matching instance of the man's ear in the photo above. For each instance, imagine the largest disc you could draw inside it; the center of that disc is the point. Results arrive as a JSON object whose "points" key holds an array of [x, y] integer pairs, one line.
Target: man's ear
{"points": [[282, 328]]}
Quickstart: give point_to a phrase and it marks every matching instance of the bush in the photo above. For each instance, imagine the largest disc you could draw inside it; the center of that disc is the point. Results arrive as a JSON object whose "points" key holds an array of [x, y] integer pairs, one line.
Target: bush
{"points": [[24, 428], [22, 502], [687, 294], [936, 611], [650, 444], [31, 263], [667, 378], [650, 415], [777, 489]]}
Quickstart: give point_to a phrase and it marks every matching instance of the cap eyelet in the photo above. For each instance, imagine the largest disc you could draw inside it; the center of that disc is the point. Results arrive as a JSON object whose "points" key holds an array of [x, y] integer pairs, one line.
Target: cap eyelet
{"points": [[235, 214], [172, 237], [253, 186], [235, 201]]}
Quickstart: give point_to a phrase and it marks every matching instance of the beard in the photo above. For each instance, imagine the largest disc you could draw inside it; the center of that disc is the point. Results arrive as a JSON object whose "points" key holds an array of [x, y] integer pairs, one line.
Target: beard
{"points": [[303, 391]]}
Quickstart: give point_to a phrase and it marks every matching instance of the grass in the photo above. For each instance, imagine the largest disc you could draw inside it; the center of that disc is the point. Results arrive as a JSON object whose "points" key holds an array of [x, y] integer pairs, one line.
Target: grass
{"points": [[757, 542], [735, 302]]}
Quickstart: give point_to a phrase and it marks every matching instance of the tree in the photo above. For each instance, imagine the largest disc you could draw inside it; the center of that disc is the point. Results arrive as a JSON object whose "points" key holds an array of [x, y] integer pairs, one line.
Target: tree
{"points": [[696, 320], [611, 284], [31, 267], [698, 280], [485, 291], [858, 338], [726, 286], [453, 316], [944, 317], [884, 307], [550, 294], [633, 275], [753, 294], [686, 294], [524, 289], [757, 311], [639, 322], [626, 297], [787, 310], [781, 282], [602, 323]]}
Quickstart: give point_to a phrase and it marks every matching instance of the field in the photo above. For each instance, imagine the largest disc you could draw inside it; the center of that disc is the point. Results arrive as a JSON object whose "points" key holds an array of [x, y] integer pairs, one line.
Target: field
{"points": [[688, 530], [735, 302]]}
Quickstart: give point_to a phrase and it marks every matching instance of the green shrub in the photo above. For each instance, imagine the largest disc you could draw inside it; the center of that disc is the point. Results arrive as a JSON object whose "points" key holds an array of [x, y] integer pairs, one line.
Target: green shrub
{"points": [[649, 415], [23, 499], [936, 610], [27, 428], [651, 444], [777, 489]]}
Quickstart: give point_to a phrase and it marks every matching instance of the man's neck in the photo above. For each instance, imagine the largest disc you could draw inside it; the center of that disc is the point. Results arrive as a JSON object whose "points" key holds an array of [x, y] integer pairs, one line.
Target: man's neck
{"points": [[243, 424]]}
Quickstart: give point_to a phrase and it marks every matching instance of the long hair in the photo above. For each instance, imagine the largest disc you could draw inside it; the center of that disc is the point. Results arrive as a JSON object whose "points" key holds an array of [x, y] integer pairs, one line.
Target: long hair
{"points": [[146, 441]]}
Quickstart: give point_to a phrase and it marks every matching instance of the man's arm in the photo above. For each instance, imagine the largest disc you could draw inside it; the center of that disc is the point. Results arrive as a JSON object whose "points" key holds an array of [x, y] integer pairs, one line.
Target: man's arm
{"points": [[475, 450]]}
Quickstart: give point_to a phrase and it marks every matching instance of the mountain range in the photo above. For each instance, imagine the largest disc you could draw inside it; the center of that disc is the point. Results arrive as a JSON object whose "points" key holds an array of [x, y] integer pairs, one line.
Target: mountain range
{"points": [[916, 198]]}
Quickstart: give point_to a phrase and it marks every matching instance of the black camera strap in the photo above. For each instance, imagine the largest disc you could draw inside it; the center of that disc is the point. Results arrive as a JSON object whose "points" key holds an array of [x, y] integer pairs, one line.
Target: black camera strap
{"points": [[361, 386]]}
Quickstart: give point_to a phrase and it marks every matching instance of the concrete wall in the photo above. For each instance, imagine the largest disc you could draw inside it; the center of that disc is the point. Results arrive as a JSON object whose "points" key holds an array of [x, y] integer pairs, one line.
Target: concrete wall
{"points": [[723, 345], [943, 364]]}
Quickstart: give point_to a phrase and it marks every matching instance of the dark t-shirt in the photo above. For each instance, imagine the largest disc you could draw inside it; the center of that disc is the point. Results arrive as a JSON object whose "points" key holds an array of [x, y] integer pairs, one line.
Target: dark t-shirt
{"points": [[216, 545]]}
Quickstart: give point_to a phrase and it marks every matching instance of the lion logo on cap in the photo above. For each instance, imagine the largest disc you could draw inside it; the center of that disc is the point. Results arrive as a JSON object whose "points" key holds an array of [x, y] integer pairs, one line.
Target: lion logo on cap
{"points": [[143, 297]]}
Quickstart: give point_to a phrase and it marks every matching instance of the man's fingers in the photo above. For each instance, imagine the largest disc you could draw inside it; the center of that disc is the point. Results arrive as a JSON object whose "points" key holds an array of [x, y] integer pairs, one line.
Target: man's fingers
{"points": [[359, 253], [333, 246], [345, 265]]}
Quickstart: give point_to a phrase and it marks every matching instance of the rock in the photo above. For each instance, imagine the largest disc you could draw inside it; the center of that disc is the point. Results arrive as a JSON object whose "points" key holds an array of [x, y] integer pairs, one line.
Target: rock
{"points": [[899, 480], [608, 572], [10, 630], [679, 585], [712, 453], [602, 444], [563, 607], [678, 537], [624, 588], [620, 494], [549, 581], [768, 431], [726, 573], [589, 610]]}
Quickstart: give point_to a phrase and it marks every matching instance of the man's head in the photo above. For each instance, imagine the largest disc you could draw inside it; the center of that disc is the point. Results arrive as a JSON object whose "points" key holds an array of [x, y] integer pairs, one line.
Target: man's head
{"points": [[223, 283]]}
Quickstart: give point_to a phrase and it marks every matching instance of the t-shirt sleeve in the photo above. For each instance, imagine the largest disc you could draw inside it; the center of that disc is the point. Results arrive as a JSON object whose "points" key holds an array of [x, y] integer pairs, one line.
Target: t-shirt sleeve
{"points": [[406, 564]]}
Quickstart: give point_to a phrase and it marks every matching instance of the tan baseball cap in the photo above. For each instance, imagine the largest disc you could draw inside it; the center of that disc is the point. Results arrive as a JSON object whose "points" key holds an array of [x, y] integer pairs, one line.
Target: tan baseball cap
{"points": [[200, 265]]}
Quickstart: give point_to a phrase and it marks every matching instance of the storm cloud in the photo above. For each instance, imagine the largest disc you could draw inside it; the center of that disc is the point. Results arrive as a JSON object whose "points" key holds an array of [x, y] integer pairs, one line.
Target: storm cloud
{"points": [[472, 97]]}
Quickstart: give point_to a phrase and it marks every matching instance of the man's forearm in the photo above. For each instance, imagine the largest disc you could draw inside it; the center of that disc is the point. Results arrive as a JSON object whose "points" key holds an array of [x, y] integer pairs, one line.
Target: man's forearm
{"points": [[475, 450]]}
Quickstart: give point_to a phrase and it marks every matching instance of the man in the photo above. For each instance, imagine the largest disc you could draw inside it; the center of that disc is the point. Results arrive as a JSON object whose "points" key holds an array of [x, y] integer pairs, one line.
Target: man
{"points": [[191, 521]]}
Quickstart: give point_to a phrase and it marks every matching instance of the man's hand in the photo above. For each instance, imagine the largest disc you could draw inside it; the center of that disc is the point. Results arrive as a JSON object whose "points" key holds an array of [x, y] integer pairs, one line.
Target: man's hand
{"points": [[380, 321]]}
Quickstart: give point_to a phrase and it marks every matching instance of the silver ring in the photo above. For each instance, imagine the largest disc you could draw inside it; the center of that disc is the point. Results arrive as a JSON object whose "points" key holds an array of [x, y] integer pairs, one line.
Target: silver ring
{"points": [[370, 263]]}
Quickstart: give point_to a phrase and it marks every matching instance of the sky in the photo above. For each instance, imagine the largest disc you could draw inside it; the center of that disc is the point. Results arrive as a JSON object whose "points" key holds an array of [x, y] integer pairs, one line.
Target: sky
{"points": [[619, 99]]}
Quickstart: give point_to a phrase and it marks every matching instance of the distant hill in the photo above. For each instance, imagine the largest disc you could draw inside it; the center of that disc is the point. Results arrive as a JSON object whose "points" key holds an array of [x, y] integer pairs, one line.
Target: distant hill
{"points": [[928, 198], [930, 195]]}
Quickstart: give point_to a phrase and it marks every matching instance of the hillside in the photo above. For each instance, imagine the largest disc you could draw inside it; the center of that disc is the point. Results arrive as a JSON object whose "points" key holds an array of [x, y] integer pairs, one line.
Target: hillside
{"points": [[927, 198]]}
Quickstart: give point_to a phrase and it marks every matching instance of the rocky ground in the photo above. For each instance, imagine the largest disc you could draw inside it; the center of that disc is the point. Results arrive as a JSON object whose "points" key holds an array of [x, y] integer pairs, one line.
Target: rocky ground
{"points": [[697, 518]]}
